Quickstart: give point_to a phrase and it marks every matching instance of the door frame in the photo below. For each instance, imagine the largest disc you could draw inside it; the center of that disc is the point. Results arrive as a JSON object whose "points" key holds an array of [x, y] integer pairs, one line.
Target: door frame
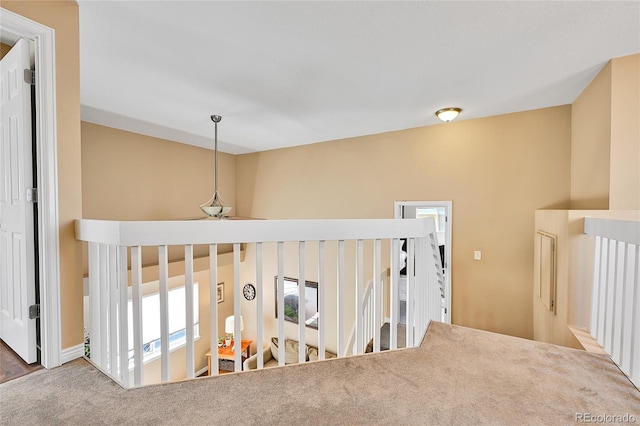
{"points": [[43, 38], [448, 205]]}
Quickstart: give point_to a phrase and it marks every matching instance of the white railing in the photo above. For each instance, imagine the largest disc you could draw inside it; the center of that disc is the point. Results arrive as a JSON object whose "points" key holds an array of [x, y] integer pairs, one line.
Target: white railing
{"points": [[615, 298], [113, 245]]}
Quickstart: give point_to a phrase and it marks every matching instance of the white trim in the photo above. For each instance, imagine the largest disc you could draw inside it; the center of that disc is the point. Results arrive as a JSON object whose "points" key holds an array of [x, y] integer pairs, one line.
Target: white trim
{"points": [[177, 232], [47, 183], [69, 354], [397, 208]]}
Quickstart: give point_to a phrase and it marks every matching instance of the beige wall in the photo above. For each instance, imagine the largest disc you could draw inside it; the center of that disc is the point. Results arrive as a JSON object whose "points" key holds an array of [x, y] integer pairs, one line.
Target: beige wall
{"points": [[605, 140], [128, 176], [496, 170], [591, 143], [624, 181], [4, 49], [62, 16]]}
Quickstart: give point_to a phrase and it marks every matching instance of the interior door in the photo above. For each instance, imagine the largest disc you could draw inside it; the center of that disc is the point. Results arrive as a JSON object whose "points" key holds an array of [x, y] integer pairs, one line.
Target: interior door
{"points": [[17, 243], [441, 211]]}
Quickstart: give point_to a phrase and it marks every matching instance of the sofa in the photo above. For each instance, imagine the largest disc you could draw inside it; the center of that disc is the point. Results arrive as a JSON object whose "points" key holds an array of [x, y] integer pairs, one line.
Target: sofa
{"points": [[291, 350]]}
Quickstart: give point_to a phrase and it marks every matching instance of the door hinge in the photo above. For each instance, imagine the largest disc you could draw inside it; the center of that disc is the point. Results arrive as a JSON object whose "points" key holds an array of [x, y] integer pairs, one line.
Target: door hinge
{"points": [[34, 311], [30, 77], [32, 195]]}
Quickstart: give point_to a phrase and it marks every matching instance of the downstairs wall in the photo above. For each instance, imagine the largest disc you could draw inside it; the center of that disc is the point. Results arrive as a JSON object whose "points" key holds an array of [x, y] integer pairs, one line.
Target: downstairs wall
{"points": [[496, 170]]}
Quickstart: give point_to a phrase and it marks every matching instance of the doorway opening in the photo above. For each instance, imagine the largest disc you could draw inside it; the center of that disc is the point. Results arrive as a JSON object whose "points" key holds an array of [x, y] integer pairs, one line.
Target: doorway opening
{"points": [[44, 128], [441, 212]]}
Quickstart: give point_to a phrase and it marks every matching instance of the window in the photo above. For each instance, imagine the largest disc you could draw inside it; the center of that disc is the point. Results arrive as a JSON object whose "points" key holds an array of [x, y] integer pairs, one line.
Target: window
{"points": [[151, 322]]}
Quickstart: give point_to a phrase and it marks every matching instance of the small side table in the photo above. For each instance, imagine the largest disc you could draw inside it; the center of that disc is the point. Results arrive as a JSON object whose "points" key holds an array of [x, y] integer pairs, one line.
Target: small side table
{"points": [[226, 357]]}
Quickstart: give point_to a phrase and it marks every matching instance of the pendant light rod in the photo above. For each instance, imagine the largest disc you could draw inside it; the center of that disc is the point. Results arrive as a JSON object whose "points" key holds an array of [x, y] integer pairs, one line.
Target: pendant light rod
{"points": [[214, 207], [216, 119]]}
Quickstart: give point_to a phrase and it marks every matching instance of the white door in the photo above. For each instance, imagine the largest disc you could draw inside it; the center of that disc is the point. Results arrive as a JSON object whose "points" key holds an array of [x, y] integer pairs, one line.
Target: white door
{"points": [[17, 244], [441, 211]]}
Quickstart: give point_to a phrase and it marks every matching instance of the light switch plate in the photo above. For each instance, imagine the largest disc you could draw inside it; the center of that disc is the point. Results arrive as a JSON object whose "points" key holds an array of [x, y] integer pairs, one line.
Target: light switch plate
{"points": [[477, 255]]}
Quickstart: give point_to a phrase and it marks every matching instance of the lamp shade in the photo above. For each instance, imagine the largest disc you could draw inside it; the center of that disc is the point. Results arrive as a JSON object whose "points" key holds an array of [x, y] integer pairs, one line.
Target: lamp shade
{"points": [[448, 114], [229, 324]]}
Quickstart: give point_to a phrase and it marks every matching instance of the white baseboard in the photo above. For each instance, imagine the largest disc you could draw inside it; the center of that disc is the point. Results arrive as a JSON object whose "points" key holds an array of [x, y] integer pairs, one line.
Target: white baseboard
{"points": [[201, 371], [69, 354]]}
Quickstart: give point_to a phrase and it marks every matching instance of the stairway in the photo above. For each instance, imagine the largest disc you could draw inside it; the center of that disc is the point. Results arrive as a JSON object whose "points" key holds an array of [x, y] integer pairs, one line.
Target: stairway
{"points": [[385, 332]]}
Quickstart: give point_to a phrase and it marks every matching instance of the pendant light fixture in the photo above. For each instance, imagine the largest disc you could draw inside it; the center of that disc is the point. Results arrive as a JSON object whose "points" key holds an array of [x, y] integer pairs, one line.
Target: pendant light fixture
{"points": [[448, 114], [214, 207]]}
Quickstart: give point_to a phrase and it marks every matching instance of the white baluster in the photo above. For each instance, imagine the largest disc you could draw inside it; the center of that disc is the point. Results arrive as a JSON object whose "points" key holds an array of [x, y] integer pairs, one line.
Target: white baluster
{"points": [[237, 308], [260, 305], [618, 303], [136, 318], [94, 329], [302, 354], [634, 316], [377, 295], [394, 295], [113, 311], [321, 300], [280, 292], [189, 310], [104, 306], [123, 316], [359, 341], [163, 271], [340, 299], [595, 293], [213, 308]]}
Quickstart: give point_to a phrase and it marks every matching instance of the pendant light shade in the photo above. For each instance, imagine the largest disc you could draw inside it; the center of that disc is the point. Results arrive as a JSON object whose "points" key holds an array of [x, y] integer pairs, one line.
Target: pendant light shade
{"points": [[214, 206]]}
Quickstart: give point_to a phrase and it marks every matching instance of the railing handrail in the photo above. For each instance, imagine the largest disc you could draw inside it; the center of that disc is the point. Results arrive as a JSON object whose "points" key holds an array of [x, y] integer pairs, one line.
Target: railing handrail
{"points": [[154, 233], [627, 231]]}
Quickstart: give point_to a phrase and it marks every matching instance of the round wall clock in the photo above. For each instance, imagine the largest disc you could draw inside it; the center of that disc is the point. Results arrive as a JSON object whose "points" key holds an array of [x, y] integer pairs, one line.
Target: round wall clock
{"points": [[249, 292]]}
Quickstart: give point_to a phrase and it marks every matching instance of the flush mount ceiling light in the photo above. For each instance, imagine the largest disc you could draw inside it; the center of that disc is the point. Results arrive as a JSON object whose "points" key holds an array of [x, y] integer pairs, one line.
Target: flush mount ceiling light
{"points": [[448, 114], [214, 206]]}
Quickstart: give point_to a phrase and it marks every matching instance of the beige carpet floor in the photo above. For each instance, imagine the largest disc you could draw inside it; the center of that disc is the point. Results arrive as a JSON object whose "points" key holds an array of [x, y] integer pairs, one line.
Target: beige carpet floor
{"points": [[458, 376]]}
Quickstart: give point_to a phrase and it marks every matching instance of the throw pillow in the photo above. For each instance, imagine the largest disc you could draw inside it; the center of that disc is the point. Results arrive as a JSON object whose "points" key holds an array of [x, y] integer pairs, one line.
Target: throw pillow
{"points": [[291, 348]]}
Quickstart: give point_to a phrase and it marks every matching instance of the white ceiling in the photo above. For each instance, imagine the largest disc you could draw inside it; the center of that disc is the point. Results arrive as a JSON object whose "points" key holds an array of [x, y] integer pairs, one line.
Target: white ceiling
{"points": [[292, 73]]}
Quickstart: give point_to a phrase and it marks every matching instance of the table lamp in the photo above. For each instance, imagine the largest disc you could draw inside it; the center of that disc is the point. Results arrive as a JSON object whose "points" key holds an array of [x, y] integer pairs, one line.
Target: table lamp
{"points": [[229, 327]]}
